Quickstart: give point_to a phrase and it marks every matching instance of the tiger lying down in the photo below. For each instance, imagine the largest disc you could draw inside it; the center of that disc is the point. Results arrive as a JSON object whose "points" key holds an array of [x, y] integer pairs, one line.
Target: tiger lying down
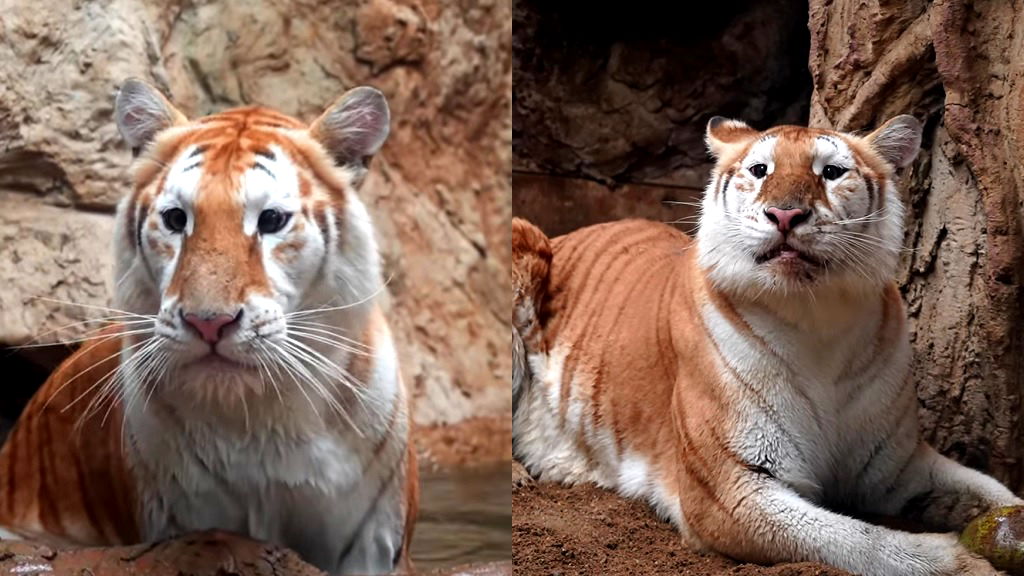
{"points": [[250, 384], [753, 384]]}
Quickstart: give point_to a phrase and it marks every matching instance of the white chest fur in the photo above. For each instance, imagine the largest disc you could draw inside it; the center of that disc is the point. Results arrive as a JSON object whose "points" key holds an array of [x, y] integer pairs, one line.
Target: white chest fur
{"points": [[286, 476], [814, 407]]}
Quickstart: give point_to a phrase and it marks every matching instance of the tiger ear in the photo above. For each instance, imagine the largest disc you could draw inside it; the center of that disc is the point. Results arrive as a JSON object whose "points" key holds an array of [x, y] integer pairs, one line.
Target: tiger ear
{"points": [[723, 135], [897, 141], [142, 112], [354, 128]]}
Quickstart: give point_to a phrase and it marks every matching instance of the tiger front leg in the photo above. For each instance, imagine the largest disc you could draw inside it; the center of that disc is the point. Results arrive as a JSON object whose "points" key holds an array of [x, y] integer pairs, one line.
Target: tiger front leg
{"points": [[941, 493], [762, 520]]}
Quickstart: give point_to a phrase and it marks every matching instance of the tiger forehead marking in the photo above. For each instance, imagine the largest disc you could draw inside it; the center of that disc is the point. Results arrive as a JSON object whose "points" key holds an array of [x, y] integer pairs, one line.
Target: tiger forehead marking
{"points": [[223, 175]]}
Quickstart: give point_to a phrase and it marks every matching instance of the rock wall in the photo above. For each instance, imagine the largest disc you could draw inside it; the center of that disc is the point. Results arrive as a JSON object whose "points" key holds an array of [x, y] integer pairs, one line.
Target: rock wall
{"points": [[439, 191], [623, 95], [609, 110], [955, 64]]}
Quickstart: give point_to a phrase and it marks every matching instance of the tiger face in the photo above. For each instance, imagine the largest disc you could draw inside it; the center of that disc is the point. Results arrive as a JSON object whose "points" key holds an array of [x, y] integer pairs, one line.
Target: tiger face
{"points": [[237, 222], [795, 209]]}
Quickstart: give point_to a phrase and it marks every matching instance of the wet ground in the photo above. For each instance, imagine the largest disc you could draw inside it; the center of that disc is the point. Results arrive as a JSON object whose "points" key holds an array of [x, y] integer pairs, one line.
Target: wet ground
{"points": [[465, 516]]}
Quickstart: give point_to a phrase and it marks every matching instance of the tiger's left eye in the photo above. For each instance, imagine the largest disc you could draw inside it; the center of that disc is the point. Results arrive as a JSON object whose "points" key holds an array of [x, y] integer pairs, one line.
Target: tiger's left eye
{"points": [[272, 221], [832, 172]]}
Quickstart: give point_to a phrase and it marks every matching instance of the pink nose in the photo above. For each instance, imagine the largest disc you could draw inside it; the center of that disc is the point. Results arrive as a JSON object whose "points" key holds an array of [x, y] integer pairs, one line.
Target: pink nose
{"points": [[210, 326], [786, 220]]}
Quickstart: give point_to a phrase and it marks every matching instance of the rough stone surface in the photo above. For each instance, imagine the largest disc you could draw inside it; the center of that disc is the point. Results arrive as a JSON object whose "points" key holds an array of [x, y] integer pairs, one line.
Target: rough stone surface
{"points": [[47, 254], [559, 204], [624, 95], [439, 191]]}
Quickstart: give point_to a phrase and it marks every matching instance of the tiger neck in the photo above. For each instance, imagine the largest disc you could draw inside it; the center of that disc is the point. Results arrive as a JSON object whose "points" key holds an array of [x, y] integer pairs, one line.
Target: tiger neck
{"points": [[827, 312]]}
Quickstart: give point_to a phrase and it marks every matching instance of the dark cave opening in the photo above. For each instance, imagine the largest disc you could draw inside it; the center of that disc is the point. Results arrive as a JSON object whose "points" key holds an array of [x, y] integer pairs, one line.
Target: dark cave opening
{"points": [[23, 371]]}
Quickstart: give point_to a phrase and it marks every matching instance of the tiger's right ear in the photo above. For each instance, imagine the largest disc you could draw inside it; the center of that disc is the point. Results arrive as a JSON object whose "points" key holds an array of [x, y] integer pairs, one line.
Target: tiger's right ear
{"points": [[142, 112], [353, 129], [723, 135]]}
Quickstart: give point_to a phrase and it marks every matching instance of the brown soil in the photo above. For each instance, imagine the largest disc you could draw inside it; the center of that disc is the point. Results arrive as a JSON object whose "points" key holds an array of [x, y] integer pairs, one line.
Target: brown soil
{"points": [[586, 530], [471, 442]]}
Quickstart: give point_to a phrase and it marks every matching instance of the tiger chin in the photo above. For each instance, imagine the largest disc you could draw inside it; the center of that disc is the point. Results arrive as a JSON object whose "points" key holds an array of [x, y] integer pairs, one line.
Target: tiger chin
{"points": [[248, 381], [752, 384]]}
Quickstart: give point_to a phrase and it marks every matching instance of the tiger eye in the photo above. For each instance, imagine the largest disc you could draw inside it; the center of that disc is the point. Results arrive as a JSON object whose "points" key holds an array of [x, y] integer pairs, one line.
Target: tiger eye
{"points": [[175, 219], [759, 170], [831, 172], [272, 221]]}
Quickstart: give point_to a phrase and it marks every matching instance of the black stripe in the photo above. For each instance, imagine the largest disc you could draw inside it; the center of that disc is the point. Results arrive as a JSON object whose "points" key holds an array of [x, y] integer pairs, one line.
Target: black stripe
{"points": [[258, 166], [758, 469], [398, 554], [366, 515], [138, 226], [871, 197], [899, 475], [885, 439], [266, 154], [725, 188], [916, 505], [199, 150], [192, 166]]}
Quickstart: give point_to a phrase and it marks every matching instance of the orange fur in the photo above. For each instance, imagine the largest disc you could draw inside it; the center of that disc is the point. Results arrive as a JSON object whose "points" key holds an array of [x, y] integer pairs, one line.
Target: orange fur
{"points": [[62, 470]]}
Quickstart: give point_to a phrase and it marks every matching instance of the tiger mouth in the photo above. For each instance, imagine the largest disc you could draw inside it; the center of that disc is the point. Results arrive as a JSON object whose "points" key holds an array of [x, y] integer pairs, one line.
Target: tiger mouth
{"points": [[217, 361], [785, 253]]}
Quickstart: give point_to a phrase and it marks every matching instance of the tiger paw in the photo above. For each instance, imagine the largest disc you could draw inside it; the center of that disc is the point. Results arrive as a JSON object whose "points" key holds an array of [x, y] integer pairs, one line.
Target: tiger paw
{"points": [[520, 477], [998, 536]]}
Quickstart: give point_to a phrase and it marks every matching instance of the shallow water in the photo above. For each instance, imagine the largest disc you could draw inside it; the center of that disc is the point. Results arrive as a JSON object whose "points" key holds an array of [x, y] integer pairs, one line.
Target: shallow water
{"points": [[465, 516]]}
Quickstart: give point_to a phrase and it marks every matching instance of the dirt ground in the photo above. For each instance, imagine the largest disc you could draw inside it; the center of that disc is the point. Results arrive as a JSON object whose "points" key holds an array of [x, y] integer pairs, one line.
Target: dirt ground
{"points": [[585, 530]]}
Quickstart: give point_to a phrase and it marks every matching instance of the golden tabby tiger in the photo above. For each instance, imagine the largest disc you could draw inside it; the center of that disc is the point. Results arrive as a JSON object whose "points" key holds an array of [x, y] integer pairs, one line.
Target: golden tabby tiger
{"points": [[251, 384], [754, 383]]}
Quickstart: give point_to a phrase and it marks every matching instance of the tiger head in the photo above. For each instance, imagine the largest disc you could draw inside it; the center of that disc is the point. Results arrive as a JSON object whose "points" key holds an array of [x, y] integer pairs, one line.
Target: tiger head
{"points": [[238, 222], [793, 210]]}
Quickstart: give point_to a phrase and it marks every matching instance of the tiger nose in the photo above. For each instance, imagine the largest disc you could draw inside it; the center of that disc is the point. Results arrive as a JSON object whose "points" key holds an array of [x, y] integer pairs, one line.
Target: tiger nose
{"points": [[210, 326], [787, 219]]}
